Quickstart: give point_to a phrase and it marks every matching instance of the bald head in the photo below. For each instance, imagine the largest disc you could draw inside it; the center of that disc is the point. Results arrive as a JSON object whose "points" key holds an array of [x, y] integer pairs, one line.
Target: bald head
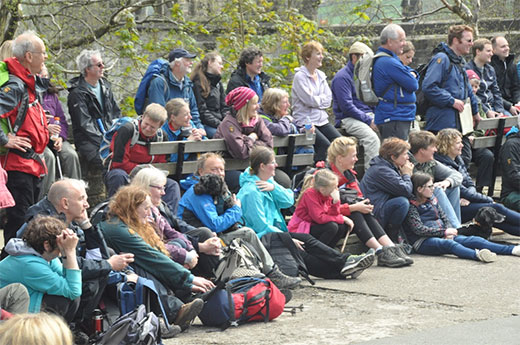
{"points": [[64, 189]]}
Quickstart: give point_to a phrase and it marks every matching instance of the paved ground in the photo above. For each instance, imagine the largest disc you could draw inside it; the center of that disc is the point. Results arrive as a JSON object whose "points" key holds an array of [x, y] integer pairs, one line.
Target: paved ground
{"points": [[438, 300]]}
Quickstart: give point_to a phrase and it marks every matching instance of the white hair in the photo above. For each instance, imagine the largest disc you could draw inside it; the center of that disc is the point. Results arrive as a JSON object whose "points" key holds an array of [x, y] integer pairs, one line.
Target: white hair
{"points": [[391, 31]]}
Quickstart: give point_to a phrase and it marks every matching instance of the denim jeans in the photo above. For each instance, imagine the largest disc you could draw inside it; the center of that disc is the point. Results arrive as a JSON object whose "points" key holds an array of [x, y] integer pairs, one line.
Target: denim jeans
{"points": [[449, 201], [210, 131], [511, 224], [394, 211], [462, 246]]}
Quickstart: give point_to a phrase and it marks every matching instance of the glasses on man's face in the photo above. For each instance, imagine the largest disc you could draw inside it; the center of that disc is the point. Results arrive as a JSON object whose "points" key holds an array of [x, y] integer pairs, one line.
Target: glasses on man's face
{"points": [[161, 188], [43, 53], [100, 65]]}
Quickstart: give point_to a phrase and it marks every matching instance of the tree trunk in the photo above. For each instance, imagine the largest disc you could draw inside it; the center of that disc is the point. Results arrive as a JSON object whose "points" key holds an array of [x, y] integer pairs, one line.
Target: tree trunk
{"points": [[9, 17]]}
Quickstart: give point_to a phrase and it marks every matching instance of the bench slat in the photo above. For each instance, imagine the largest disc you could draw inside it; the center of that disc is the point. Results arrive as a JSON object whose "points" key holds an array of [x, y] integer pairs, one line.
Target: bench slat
{"points": [[489, 141], [493, 123]]}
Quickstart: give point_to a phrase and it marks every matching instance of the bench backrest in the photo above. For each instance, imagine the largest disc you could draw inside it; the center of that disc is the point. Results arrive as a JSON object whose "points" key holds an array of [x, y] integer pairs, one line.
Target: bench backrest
{"points": [[490, 141]]}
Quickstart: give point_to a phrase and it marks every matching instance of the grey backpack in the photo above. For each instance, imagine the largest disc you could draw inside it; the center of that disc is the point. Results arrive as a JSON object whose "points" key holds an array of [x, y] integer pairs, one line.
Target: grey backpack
{"points": [[363, 79]]}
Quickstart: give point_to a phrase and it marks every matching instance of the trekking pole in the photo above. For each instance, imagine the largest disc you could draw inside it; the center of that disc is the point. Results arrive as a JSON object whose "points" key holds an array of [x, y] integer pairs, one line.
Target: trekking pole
{"points": [[58, 163], [345, 240]]}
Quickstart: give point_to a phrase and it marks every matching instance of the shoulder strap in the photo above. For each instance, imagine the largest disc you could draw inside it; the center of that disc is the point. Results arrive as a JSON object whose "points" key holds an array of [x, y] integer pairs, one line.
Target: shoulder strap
{"points": [[22, 108]]}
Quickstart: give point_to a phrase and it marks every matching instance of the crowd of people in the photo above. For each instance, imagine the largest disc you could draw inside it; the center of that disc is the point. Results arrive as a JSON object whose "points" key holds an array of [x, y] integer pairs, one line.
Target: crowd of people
{"points": [[414, 195]]}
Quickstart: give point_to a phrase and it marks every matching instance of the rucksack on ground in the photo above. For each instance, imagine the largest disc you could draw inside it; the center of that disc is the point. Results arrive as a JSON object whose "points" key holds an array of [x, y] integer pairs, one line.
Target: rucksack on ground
{"points": [[134, 328], [243, 300], [238, 259], [363, 79], [153, 71], [104, 148]]}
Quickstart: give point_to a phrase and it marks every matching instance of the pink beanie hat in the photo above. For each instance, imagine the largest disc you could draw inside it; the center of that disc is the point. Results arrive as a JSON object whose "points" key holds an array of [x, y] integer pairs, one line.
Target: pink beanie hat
{"points": [[239, 97], [472, 74]]}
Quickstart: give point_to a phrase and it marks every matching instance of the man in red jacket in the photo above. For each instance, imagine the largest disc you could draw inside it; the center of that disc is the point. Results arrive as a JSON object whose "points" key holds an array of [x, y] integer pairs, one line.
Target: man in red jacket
{"points": [[23, 162]]}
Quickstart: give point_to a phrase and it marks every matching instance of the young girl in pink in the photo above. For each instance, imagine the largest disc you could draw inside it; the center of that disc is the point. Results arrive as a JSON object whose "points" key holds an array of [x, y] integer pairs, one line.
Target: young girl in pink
{"points": [[317, 211]]}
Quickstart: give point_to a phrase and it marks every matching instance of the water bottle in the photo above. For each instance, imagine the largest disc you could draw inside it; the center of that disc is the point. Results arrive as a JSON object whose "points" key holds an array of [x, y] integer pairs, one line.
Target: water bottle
{"points": [[55, 121], [308, 129]]}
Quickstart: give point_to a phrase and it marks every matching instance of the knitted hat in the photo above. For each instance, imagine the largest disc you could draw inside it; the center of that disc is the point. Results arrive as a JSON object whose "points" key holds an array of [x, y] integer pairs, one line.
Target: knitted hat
{"points": [[472, 74], [360, 48], [239, 97]]}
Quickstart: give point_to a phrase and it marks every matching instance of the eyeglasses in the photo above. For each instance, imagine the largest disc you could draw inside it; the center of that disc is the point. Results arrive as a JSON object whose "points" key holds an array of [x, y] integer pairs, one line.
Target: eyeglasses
{"points": [[100, 65], [43, 53], [161, 188], [430, 186]]}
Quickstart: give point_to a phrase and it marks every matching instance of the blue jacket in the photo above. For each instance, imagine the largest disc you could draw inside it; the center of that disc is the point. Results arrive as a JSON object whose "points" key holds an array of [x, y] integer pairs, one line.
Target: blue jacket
{"points": [[178, 135], [383, 181], [390, 71], [26, 266], [344, 99], [261, 210], [205, 210], [467, 188], [488, 92], [441, 89], [155, 93]]}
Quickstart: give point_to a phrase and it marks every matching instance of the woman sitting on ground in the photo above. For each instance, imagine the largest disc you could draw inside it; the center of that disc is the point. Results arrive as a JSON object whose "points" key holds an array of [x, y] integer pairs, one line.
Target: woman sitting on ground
{"points": [[127, 229], [429, 232], [209, 92], [33, 261], [449, 148], [199, 257], [342, 156], [262, 198]]}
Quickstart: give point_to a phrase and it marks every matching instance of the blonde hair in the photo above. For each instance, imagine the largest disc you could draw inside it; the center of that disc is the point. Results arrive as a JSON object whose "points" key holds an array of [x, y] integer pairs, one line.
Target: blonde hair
{"points": [[321, 178], [272, 99], [6, 50], [243, 113], [174, 106], [446, 138], [35, 329], [340, 147]]}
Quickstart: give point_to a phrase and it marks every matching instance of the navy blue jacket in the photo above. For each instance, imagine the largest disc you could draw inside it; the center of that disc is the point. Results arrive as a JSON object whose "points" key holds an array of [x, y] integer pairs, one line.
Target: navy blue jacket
{"points": [[383, 181], [344, 99], [441, 89], [488, 92], [390, 71]]}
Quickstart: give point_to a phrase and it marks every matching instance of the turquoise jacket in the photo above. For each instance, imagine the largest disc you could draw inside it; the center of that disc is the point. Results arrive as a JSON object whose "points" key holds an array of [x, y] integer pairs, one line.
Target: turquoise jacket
{"points": [[261, 210], [26, 266], [171, 274]]}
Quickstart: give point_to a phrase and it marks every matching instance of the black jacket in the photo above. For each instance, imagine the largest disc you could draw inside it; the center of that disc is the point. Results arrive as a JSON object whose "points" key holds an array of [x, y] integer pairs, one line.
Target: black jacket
{"points": [[467, 187], [238, 78], [213, 108], [510, 164], [508, 81], [84, 109]]}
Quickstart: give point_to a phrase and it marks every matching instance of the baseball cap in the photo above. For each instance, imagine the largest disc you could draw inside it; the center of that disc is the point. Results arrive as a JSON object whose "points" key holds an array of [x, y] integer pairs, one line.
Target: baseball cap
{"points": [[180, 53]]}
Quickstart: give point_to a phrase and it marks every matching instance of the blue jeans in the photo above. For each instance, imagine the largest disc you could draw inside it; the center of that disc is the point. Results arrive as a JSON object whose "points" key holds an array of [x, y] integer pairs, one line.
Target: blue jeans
{"points": [[511, 225], [462, 246], [210, 131], [449, 201], [394, 211]]}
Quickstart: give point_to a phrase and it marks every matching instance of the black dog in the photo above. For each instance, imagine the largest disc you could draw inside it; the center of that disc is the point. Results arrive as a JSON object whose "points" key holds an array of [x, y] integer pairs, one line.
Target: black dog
{"points": [[215, 186], [482, 223]]}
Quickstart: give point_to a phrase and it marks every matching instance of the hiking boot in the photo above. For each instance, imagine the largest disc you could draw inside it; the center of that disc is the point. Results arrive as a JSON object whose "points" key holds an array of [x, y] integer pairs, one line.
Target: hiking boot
{"points": [[283, 281], [485, 255], [387, 257], [400, 252], [356, 264], [168, 333], [288, 295], [80, 337], [188, 313]]}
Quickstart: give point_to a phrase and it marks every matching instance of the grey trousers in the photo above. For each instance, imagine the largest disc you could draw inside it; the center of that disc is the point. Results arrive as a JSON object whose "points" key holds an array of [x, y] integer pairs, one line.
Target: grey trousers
{"points": [[365, 136], [69, 162], [250, 236], [14, 298]]}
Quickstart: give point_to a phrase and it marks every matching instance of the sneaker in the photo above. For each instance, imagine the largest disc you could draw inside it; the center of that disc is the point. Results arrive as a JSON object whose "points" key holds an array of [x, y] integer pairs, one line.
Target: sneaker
{"points": [[356, 264], [283, 281], [400, 252], [188, 313], [485, 255], [168, 333], [387, 257], [516, 251]]}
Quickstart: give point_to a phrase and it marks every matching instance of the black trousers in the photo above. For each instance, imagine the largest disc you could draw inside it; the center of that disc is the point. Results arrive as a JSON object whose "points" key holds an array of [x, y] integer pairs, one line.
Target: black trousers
{"points": [[329, 233], [366, 226], [60, 305]]}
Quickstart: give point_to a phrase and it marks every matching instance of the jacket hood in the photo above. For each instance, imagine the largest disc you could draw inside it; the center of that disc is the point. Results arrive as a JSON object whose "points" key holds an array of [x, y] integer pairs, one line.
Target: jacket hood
{"points": [[242, 73], [213, 78], [44, 207], [510, 59], [17, 247], [189, 181], [378, 160], [304, 69], [80, 81], [513, 132], [454, 58], [246, 177]]}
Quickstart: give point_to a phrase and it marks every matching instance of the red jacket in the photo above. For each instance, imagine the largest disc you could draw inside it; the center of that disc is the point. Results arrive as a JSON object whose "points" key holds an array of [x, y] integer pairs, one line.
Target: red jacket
{"points": [[126, 157], [34, 127], [347, 183], [316, 208]]}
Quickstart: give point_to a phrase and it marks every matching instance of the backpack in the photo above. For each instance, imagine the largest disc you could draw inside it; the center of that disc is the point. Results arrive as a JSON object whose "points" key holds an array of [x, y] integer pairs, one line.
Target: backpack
{"points": [[363, 79], [134, 328], [238, 259], [285, 254], [153, 70], [104, 148], [242, 300]]}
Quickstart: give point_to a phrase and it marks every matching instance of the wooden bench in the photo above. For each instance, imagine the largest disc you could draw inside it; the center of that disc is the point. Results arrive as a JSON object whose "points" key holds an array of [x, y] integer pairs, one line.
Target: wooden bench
{"points": [[494, 142], [285, 161]]}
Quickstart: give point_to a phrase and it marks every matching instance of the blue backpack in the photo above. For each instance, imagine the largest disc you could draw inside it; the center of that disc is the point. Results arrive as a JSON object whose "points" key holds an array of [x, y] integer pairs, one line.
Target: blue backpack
{"points": [[153, 70]]}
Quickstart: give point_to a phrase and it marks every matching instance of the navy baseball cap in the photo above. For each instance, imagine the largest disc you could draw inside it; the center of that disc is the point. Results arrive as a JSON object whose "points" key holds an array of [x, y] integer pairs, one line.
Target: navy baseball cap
{"points": [[180, 53]]}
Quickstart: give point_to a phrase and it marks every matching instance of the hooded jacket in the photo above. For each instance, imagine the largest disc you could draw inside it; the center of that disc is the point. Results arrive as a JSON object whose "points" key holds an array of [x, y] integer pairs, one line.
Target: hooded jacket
{"points": [[85, 110], [26, 266], [261, 210], [510, 163], [34, 126], [488, 92], [212, 108], [508, 80], [239, 77], [398, 103], [441, 89]]}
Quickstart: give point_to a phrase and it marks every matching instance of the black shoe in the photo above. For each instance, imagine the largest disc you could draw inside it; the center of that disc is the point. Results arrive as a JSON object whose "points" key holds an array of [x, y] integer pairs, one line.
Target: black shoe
{"points": [[387, 257], [188, 313]]}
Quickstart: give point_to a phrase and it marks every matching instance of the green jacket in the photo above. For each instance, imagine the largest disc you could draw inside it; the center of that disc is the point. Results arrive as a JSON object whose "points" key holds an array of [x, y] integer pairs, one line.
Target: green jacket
{"points": [[171, 274]]}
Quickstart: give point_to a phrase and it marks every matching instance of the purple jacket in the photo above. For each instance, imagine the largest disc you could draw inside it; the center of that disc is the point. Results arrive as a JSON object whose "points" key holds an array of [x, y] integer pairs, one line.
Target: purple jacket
{"points": [[167, 234], [52, 104], [344, 99]]}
